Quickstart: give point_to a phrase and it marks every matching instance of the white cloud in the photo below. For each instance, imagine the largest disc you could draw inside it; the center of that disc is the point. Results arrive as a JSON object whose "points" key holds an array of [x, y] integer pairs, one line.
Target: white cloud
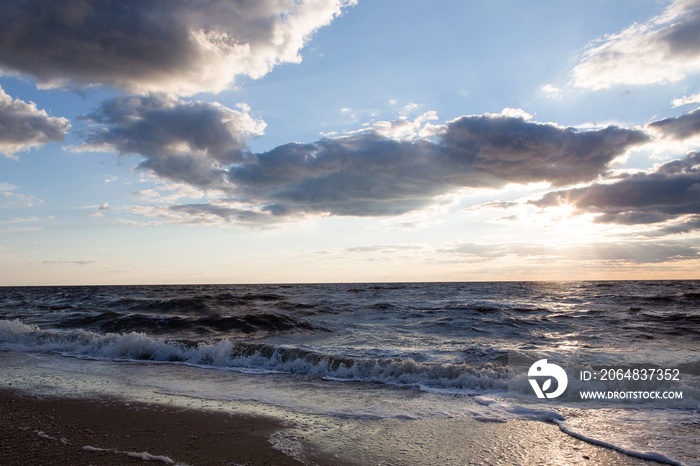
{"points": [[664, 49], [66, 262], [409, 108], [516, 113], [14, 200], [686, 100], [23, 126], [551, 91], [639, 252], [98, 211], [168, 192], [403, 128]]}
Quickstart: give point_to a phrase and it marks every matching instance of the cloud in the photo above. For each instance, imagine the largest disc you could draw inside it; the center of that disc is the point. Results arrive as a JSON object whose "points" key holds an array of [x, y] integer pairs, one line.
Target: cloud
{"points": [[75, 262], [101, 209], [190, 142], [23, 126], [15, 225], [9, 199], [551, 91], [370, 174], [670, 193], [499, 150], [376, 172], [367, 174], [686, 100], [382, 248], [640, 252], [213, 213], [664, 49], [176, 46], [682, 127]]}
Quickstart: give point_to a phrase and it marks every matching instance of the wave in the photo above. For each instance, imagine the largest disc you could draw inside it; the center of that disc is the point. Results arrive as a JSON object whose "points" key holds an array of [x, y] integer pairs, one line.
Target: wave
{"points": [[673, 323], [191, 301], [255, 358], [111, 321], [194, 304]]}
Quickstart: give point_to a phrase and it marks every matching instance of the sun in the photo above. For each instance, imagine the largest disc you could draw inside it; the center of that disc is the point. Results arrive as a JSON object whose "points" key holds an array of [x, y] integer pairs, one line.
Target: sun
{"points": [[564, 210]]}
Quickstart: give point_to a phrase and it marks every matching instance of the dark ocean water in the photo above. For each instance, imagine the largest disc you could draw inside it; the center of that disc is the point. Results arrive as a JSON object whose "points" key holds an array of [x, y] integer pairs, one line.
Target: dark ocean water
{"points": [[449, 338]]}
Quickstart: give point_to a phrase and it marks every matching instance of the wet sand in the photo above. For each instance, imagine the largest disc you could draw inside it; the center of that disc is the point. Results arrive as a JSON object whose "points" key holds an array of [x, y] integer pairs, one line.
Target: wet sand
{"points": [[52, 407], [48, 431], [43, 430]]}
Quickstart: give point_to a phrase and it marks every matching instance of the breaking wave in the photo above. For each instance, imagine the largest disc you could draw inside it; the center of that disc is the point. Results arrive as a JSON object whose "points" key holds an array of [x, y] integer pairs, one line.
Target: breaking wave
{"points": [[254, 357]]}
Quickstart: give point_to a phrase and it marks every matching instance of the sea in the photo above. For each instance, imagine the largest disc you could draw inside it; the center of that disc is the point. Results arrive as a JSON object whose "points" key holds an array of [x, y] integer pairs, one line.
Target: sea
{"points": [[380, 351]]}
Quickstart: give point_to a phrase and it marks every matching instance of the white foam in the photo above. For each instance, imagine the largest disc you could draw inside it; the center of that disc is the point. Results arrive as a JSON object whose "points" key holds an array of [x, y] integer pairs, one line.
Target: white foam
{"points": [[288, 444], [44, 435], [647, 455], [459, 378], [143, 455], [343, 400], [91, 448], [626, 430]]}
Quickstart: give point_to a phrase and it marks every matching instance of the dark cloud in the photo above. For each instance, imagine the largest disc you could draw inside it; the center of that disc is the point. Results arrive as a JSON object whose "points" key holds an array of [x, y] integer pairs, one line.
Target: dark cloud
{"points": [[680, 128], [671, 192], [23, 126], [514, 150], [364, 174], [367, 174], [190, 142], [176, 46], [682, 36], [688, 224]]}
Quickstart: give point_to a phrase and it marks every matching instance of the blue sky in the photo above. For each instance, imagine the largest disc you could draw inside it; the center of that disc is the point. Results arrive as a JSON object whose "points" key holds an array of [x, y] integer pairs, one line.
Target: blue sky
{"points": [[335, 140]]}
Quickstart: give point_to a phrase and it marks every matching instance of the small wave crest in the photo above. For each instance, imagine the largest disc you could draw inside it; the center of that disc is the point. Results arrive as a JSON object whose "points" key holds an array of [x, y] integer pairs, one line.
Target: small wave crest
{"points": [[255, 357], [110, 321]]}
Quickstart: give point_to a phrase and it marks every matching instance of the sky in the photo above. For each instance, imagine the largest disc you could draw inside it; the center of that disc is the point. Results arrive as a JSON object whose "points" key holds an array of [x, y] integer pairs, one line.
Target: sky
{"points": [[294, 141]]}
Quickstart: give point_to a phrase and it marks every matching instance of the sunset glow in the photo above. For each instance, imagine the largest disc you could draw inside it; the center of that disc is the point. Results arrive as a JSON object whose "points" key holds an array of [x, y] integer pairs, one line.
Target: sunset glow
{"points": [[346, 140]]}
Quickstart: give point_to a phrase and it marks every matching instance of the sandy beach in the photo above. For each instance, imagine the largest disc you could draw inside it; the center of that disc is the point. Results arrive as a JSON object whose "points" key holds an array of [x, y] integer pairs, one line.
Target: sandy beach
{"points": [[52, 431], [120, 375], [106, 432], [350, 232]]}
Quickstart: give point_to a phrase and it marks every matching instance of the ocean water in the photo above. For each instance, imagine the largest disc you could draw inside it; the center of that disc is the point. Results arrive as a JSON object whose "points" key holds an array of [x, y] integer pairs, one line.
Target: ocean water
{"points": [[417, 351]]}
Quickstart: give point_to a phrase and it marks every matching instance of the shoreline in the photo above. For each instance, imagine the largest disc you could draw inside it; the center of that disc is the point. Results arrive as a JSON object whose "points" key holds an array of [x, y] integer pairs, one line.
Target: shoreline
{"points": [[108, 431], [101, 431]]}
